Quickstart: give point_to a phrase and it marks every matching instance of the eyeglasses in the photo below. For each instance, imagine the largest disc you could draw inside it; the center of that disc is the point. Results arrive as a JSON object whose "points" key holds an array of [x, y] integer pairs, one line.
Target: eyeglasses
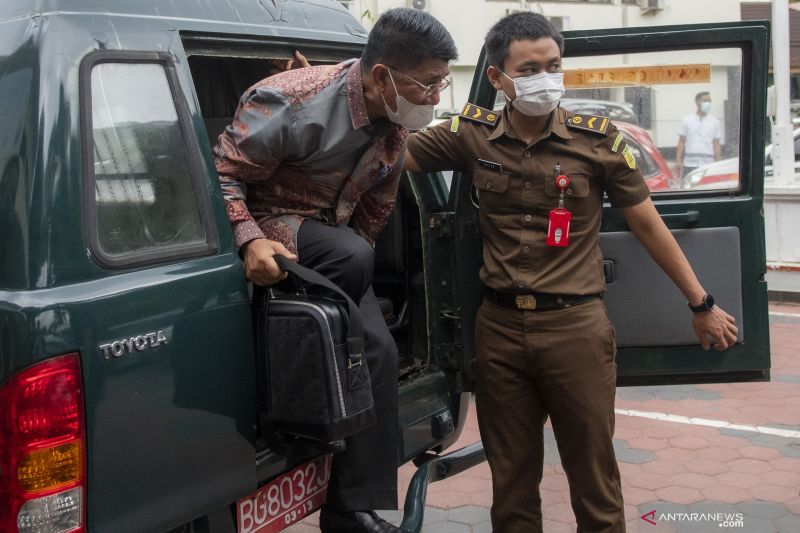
{"points": [[427, 90]]}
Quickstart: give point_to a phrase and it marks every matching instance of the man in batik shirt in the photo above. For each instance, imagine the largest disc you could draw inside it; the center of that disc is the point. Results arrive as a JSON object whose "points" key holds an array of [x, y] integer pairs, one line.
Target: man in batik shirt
{"points": [[310, 168]]}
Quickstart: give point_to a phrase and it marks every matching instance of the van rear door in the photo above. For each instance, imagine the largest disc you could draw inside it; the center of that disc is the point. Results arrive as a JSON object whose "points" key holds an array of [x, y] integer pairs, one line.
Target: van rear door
{"points": [[168, 355]]}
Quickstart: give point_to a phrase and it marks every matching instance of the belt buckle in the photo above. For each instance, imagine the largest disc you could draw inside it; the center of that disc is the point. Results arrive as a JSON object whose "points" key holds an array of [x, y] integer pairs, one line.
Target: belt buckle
{"points": [[525, 301]]}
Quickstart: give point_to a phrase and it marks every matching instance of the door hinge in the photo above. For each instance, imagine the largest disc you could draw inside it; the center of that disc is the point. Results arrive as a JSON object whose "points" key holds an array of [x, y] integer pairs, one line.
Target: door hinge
{"points": [[441, 224]]}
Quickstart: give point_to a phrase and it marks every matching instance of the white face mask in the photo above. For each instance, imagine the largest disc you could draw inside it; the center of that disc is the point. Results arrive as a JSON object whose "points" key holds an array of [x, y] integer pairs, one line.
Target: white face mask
{"points": [[705, 107], [408, 115], [538, 94]]}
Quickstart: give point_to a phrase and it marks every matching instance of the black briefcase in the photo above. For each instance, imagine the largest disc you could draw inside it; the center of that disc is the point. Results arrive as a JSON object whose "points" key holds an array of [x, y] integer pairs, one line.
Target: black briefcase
{"points": [[313, 376]]}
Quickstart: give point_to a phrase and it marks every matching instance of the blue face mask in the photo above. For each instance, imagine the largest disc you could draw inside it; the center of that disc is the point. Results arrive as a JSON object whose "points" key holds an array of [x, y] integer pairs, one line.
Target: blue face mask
{"points": [[705, 107]]}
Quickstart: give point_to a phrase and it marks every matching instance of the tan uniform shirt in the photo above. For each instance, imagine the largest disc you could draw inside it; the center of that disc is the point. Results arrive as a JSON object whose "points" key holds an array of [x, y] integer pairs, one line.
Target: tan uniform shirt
{"points": [[516, 190]]}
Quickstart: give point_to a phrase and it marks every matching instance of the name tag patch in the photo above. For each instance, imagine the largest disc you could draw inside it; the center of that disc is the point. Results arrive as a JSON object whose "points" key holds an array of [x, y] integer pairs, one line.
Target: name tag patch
{"points": [[491, 165]]}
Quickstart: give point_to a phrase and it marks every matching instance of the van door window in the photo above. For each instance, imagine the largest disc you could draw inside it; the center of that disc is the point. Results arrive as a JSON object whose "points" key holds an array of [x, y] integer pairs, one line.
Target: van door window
{"points": [[145, 199]]}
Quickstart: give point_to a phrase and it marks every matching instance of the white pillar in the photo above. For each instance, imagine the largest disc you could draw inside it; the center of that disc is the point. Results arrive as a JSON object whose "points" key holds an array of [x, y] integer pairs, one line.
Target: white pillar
{"points": [[782, 137]]}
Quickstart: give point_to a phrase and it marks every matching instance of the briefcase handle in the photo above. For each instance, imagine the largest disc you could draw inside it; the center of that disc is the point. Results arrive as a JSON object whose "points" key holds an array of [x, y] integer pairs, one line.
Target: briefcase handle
{"points": [[355, 328]]}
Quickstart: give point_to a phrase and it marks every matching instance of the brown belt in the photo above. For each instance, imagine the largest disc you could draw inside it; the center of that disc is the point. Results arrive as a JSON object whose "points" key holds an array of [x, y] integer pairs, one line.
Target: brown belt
{"points": [[537, 301]]}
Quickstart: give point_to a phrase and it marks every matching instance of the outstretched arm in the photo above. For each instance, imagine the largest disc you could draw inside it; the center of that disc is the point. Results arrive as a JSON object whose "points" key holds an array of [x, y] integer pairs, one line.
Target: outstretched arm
{"points": [[715, 326]]}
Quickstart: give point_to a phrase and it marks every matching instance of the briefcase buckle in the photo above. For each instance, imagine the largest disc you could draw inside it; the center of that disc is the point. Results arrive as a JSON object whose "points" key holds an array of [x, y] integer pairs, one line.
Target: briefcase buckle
{"points": [[525, 301]]}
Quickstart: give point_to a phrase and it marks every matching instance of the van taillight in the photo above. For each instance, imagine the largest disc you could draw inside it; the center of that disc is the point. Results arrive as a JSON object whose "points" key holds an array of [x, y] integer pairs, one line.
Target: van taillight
{"points": [[42, 449]]}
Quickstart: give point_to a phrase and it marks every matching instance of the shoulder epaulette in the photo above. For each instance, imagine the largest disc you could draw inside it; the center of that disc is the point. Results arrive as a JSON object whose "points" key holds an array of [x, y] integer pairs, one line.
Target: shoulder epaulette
{"points": [[593, 123], [479, 114]]}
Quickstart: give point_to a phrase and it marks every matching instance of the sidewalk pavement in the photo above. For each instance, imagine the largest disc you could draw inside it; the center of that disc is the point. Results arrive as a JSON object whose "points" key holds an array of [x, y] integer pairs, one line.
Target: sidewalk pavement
{"points": [[685, 452]]}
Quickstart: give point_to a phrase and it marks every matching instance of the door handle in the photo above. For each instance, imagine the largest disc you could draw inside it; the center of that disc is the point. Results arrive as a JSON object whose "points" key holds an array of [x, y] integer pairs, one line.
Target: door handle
{"points": [[689, 217], [609, 270]]}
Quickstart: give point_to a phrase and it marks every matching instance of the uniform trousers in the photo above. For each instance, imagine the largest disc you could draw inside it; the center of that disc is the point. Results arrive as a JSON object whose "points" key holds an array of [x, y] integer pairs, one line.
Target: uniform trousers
{"points": [[364, 476], [558, 363]]}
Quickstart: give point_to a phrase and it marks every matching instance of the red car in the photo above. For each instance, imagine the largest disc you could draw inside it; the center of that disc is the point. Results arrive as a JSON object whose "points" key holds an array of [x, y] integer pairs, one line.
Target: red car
{"points": [[654, 168]]}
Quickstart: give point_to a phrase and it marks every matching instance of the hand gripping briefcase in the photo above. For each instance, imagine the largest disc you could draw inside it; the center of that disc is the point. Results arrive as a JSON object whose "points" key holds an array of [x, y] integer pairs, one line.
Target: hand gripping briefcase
{"points": [[313, 376]]}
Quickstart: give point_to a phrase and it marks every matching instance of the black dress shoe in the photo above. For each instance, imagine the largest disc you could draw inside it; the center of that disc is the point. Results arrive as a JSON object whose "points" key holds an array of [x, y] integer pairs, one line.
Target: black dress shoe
{"points": [[333, 521]]}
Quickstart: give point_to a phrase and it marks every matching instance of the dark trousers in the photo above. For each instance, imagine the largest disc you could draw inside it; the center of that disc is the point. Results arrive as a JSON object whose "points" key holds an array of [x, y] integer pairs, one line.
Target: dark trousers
{"points": [[364, 476], [557, 363]]}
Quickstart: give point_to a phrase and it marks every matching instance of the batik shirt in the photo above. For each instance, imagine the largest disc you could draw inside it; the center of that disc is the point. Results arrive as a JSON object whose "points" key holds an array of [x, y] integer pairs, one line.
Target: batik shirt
{"points": [[302, 146]]}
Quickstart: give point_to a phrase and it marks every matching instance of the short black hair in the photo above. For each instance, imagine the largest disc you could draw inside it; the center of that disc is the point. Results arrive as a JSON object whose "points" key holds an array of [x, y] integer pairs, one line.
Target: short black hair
{"points": [[699, 95], [404, 38], [523, 26]]}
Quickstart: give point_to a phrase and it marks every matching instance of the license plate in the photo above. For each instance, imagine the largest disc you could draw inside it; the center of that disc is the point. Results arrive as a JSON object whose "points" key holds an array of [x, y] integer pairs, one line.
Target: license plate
{"points": [[286, 499]]}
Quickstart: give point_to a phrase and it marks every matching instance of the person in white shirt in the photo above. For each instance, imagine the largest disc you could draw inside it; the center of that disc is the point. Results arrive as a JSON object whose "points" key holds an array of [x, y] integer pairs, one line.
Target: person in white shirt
{"points": [[698, 141]]}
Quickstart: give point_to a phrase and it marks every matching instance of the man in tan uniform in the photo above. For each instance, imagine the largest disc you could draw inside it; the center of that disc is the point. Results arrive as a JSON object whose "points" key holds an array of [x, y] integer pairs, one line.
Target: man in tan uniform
{"points": [[544, 344]]}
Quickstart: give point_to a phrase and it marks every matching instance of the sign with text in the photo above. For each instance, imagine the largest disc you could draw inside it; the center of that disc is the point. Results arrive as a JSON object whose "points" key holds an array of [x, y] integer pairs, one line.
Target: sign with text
{"points": [[636, 76]]}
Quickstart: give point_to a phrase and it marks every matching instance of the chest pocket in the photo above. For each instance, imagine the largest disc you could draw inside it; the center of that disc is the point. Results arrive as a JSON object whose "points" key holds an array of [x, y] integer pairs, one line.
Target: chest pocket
{"points": [[579, 187], [490, 182]]}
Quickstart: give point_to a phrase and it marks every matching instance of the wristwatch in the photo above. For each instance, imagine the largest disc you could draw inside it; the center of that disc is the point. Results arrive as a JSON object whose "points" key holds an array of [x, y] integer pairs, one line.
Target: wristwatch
{"points": [[706, 305]]}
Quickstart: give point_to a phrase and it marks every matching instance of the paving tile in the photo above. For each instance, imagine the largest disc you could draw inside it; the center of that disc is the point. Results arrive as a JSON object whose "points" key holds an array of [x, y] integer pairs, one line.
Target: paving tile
{"points": [[774, 493], [694, 480], [761, 509], [485, 527], [667, 468], [793, 506], [627, 469], [677, 454], [788, 524], [558, 527], [448, 499], [739, 479], [649, 481], [625, 433], [482, 499], [556, 482], [481, 471], [665, 431], [783, 479], [786, 464], [635, 456], [681, 495], [787, 378], [468, 514], [725, 441], [648, 443], [750, 466], [718, 454], [433, 515], [470, 485], [552, 497], [726, 494], [635, 495], [757, 525], [447, 527], [759, 452]]}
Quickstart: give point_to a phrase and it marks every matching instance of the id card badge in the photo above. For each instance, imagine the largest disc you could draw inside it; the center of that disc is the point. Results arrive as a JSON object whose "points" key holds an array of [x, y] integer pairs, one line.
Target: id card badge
{"points": [[558, 227]]}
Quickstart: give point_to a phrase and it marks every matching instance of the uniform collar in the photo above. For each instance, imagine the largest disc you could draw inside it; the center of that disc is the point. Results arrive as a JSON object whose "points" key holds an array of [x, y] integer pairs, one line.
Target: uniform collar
{"points": [[558, 125], [355, 96]]}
